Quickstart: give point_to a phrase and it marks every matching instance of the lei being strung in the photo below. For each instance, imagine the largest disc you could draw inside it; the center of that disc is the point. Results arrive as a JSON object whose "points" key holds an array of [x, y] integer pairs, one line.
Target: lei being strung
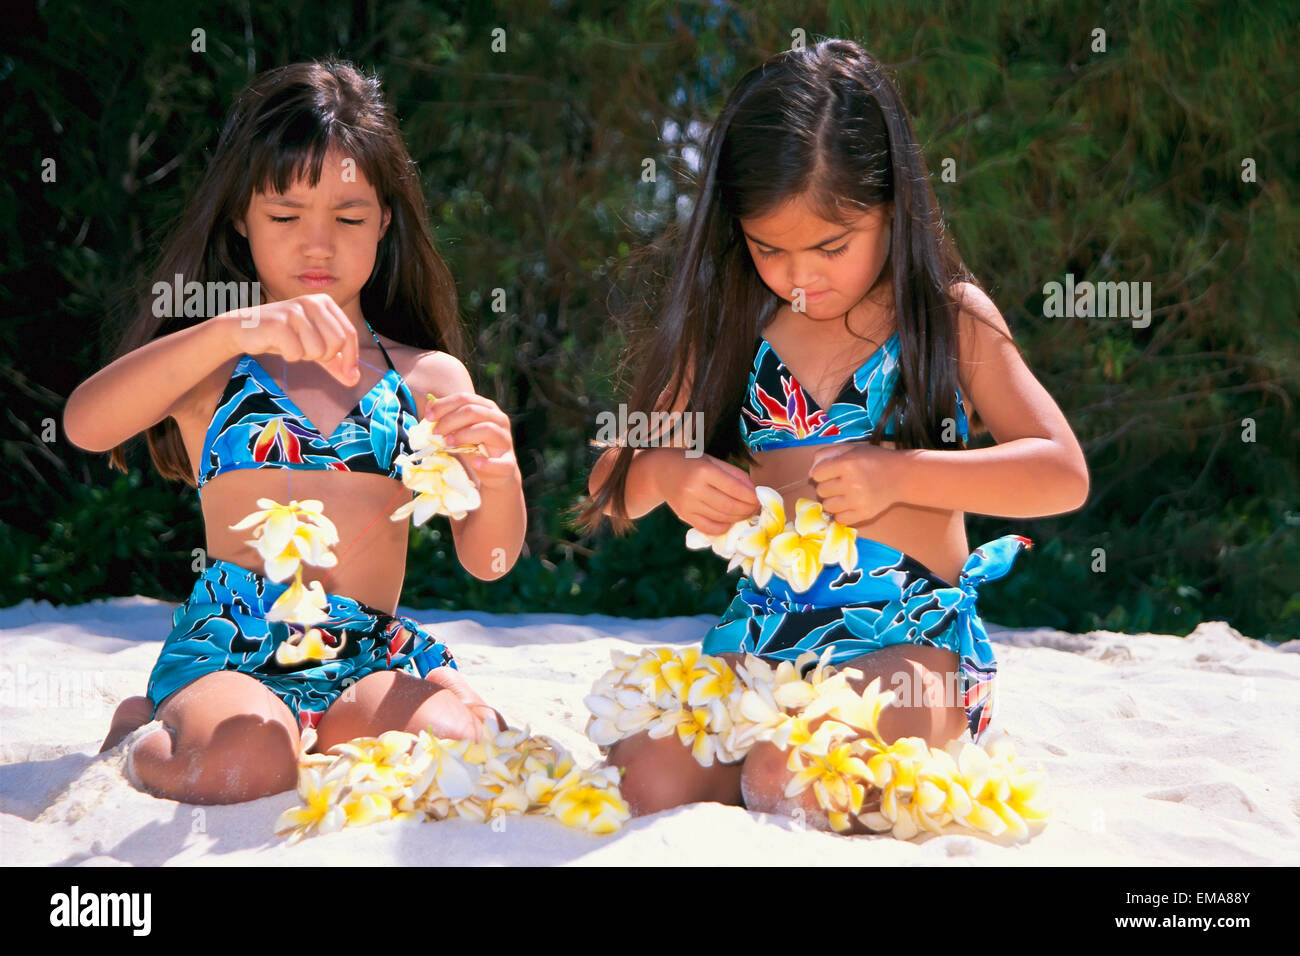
{"points": [[398, 774], [289, 536], [766, 544], [720, 713]]}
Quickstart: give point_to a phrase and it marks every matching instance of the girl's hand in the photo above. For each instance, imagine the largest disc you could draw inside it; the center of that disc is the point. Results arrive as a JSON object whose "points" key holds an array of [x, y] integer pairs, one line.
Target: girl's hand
{"points": [[465, 418], [308, 328], [708, 494], [856, 481]]}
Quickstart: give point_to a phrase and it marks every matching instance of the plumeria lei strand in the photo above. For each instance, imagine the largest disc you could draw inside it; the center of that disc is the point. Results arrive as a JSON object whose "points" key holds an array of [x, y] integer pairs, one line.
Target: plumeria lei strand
{"points": [[400, 775], [288, 536], [720, 713], [441, 482], [795, 551]]}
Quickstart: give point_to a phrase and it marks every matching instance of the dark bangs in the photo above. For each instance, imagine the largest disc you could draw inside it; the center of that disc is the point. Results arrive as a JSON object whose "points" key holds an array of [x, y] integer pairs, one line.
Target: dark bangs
{"points": [[295, 130]]}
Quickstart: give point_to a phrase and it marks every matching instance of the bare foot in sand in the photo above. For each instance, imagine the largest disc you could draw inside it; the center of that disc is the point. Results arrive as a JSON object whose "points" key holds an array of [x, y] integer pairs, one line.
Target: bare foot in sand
{"points": [[131, 713]]}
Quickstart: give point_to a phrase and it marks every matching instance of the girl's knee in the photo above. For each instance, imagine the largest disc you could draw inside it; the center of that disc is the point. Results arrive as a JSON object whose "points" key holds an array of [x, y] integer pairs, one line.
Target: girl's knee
{"points": [[764, 778], [647, 788], [248, 757], [926, 682], [763, 784], [661, 774], [147, 757], [196, 712], [936, 724], [243, 757], [444, 714]]}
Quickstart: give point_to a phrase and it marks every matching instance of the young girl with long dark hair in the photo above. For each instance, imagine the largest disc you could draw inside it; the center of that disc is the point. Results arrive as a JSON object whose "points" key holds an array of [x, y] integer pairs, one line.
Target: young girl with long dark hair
{"points": [[312, 195], [820, 320]]}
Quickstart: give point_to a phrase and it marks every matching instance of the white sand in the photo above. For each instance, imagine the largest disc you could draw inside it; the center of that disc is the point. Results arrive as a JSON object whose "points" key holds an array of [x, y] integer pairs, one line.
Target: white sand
{"points": [[1158, 749]]}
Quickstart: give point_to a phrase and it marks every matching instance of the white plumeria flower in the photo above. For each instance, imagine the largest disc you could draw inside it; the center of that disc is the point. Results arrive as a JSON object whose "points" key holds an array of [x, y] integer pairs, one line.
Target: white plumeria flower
{"points": [[940, 795], [288, 535], [754, 541], [307, 740], [788, 690], [723, 545], [309, 646], [446, 768], [471, 808], [378, 764], [861, 711], [697, 540], [443, 489], [320, 812], [826, 762], [745, 543], [757, 714], [840, 547], [752, 721], [624, 712], [840, 542], [542, 782], [647, 673], [713, 684], [692, 729], [893, 769], [441, 482], [796, 558], [590, 803], [1005, 795], [300, 605], [796, 552], [363, 809]]}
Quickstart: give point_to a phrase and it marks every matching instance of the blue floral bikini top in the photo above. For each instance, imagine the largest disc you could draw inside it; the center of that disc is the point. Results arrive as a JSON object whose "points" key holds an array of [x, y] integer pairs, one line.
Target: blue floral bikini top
{"points": [[257, 425], [779, 413]]}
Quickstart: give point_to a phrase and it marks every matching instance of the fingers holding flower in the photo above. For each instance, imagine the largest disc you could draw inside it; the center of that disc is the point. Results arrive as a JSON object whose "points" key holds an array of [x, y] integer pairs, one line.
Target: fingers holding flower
{"points": [[855, 482], [468, 419]]}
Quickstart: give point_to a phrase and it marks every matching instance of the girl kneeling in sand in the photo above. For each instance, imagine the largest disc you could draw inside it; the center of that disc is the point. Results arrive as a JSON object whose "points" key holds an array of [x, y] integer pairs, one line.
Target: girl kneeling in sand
{"points": [[310, 195], [817, 306]]}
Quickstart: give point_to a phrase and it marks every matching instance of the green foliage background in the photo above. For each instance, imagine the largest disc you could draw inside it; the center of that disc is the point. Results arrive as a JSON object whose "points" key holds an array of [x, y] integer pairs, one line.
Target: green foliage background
{"points": [[1123, 165]]}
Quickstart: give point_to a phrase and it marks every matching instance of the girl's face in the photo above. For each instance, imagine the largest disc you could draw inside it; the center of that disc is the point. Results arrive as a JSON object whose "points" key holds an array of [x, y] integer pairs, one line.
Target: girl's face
{"points": [[835, 266], [321, 239]]}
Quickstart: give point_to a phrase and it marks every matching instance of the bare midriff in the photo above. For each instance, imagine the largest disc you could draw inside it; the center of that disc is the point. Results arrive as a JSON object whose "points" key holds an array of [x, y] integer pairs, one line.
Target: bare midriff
{"points": [[371, 550]]}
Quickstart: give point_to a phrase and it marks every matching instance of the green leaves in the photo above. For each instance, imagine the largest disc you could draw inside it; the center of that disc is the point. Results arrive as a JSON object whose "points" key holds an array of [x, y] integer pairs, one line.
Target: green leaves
{"points": [[1117, 166]]}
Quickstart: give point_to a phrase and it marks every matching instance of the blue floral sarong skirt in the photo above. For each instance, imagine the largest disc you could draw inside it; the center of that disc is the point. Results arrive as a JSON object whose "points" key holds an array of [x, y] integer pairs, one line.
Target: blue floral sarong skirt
{"points": [[223, 626], [887, 598]]}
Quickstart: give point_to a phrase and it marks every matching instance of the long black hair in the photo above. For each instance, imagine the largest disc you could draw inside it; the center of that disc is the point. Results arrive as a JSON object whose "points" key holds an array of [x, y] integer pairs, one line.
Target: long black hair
{"points": [[825, 123], [279, 130]]}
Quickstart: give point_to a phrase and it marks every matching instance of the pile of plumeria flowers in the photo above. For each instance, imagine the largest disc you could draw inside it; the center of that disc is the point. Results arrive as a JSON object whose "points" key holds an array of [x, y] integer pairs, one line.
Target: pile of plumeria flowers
{"points": [[401, 775], [766, 544], [720, 713], [397, 774]]}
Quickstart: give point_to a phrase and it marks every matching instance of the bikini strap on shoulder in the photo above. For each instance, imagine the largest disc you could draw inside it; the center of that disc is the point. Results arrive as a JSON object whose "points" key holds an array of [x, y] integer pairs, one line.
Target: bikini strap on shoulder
{"points": [[381, 347]]}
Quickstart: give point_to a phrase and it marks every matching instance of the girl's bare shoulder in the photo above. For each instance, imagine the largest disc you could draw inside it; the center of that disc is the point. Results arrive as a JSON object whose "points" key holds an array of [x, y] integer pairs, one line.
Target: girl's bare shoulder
{"points": [[428, 372], [981, 329]]}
